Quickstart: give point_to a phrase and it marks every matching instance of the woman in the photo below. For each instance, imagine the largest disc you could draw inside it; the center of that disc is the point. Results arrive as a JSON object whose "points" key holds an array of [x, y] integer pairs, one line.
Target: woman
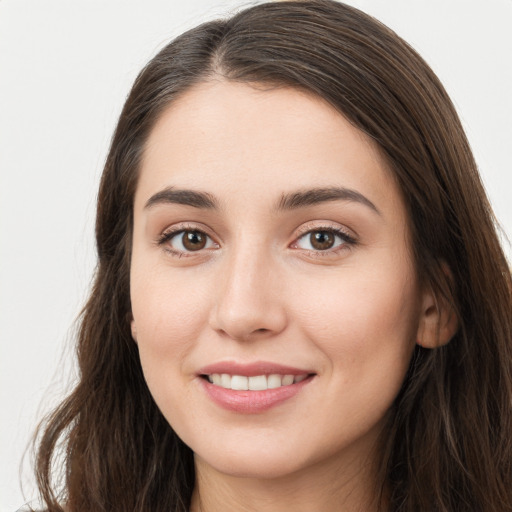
{"points": [[301, 301]]}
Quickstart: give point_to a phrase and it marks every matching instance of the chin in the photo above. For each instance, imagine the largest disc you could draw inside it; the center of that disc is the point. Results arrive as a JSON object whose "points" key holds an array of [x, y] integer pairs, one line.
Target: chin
{"points": [[247, 465]]}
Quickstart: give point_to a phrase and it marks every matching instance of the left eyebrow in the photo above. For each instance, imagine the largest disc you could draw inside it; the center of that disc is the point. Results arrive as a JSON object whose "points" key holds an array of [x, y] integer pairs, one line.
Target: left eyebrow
{"points": [[310, 197], [194, 198]]}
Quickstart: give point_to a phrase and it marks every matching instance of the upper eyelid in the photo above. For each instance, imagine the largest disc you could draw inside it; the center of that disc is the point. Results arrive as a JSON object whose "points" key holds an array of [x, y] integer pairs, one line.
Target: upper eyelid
{"points": [[302, 230], [347, 239], [164, 242], [312, 226], [169, 233], [174, 229]]}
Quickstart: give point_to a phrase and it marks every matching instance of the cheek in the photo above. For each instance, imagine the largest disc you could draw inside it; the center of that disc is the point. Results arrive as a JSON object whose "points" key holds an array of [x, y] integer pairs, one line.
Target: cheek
{"points": [[365, 330], [361, 319], [169, 313], [169, 316]]}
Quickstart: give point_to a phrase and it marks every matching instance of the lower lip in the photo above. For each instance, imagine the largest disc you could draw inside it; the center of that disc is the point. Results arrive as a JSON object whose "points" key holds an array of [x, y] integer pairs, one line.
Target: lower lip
{"points": [[252, 402]]}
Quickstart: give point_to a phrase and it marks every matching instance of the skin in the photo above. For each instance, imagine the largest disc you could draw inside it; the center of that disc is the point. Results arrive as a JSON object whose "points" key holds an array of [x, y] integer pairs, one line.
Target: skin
{"points": [[259, 291]]}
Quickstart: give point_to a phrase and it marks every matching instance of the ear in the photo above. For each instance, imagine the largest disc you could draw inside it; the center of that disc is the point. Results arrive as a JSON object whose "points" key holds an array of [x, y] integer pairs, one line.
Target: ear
{"points": [[438, 321], [133, 328]]}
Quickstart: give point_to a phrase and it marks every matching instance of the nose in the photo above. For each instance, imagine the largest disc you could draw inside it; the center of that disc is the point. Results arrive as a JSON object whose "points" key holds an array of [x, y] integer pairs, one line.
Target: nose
{"points": [[249, 299]]}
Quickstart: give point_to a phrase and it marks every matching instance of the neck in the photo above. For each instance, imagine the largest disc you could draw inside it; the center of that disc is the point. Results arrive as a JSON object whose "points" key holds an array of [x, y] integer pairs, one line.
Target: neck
{"points": [[322, 488]]}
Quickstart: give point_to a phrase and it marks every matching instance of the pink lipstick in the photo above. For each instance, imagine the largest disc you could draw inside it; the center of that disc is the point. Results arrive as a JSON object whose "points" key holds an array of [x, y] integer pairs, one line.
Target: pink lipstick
{"points": [[252, 388]]}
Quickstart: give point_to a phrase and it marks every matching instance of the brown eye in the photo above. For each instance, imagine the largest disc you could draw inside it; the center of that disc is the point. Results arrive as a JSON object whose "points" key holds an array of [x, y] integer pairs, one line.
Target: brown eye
{"points": [[324, 240], [193, 240], [187, 240], [321, 240]]}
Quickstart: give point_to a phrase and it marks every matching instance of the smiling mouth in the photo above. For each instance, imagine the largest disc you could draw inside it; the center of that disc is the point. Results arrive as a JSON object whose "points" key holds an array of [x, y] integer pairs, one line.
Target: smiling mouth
{"points": [[254, 383]]}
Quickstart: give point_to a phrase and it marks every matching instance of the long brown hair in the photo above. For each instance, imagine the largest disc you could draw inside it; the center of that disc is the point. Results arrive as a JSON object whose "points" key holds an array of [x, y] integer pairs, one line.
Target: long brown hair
{"points": [[448, 446]]}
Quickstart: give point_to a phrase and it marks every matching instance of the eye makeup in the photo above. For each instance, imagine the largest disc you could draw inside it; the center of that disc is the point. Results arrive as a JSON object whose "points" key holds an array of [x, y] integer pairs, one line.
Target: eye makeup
{"points": [[188, 240]]}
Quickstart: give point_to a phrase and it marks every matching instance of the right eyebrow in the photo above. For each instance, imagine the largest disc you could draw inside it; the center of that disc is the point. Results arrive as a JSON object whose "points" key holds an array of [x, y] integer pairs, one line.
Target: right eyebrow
{"points": [[310, 197], [193, 198]]}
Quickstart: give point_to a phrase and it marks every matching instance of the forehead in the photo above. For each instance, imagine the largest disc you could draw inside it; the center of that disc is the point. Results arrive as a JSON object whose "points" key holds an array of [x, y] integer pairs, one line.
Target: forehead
{"points": [[244, 143]]}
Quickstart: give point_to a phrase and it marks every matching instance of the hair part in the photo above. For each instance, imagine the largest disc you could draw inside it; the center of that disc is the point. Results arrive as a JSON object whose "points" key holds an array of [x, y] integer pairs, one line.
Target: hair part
{"points": [[448, 444]]}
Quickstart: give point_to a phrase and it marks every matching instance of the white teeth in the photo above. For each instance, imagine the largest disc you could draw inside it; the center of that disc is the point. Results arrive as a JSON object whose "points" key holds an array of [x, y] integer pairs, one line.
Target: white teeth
{"points": [[256, 383], [239, 382], [274, 381], [287, 380], [225, 381]]}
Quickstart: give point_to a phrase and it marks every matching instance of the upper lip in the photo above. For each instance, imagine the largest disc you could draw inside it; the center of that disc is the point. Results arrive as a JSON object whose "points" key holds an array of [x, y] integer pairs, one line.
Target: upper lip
{"points": [[251, 369]]}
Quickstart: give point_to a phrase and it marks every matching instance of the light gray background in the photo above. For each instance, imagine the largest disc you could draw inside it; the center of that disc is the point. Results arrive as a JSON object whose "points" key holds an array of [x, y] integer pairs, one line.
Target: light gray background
{"points": [[65, 69]]}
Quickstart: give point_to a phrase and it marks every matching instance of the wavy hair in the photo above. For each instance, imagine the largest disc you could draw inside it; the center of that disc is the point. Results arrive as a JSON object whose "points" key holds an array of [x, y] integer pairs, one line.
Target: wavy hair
{"points": [[448, 444]]}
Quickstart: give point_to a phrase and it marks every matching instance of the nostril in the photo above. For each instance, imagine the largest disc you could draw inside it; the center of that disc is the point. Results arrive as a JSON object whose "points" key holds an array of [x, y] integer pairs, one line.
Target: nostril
{"points": [[246, 319]]}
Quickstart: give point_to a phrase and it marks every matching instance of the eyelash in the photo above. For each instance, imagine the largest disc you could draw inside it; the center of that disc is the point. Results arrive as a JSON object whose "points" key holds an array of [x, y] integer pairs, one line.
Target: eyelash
{"points": [[167, 236], [347, 241]]}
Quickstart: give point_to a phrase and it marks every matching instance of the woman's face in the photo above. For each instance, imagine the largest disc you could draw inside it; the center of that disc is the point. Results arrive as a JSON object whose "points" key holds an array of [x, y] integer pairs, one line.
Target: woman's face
{"points": [[270, 251]]}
